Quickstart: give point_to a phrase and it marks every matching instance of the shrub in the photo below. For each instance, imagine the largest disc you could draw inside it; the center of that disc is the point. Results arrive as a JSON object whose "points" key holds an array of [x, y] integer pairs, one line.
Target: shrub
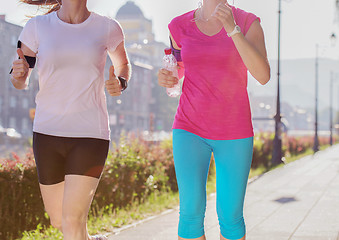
{"points": [[134, 170], [20, 200]]}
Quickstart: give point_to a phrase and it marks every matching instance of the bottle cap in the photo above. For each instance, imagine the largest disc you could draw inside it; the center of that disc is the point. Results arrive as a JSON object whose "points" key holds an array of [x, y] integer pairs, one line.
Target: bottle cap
{"points": [[168, 51]]}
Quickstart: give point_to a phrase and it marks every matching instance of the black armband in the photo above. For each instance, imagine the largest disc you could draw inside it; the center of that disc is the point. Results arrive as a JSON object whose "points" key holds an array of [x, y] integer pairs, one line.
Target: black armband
{"points": [[30, 60], [123, 83]]}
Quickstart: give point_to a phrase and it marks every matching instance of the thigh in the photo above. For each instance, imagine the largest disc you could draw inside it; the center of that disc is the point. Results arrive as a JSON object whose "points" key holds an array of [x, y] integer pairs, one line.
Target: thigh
{"points": [[86, 156], [233, 160], [49, 158], [78, 196], [191, 159], [52, 196]]}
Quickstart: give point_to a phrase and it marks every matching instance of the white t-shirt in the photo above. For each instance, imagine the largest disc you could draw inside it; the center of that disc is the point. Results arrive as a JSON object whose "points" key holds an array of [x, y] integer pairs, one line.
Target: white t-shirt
{"points": [[71, 101]]}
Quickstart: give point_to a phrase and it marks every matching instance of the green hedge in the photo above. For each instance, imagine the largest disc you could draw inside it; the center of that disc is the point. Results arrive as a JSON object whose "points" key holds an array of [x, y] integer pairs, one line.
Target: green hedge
{"points": [[133, 170], [20, 200], [292, 146]]}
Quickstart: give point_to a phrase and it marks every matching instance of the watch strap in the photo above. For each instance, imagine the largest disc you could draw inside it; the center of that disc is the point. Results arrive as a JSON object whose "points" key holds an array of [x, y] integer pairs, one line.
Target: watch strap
{"points": [[123, 83], [236, 30]]}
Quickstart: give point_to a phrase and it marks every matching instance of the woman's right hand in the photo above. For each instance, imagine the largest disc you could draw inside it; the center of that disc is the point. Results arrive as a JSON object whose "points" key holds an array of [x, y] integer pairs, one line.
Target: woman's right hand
{"points": [[166, 78], [20, 68]]}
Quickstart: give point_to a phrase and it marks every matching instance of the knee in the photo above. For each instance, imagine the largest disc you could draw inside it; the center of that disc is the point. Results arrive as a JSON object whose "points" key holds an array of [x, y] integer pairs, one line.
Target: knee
{"points": [[191, 221], [70, 221], [232, 227], [193, 212], [56, 223]]}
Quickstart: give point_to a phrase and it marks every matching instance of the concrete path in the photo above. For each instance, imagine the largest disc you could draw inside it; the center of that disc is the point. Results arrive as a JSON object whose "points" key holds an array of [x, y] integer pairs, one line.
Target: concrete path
{"points": [[299, 202]]}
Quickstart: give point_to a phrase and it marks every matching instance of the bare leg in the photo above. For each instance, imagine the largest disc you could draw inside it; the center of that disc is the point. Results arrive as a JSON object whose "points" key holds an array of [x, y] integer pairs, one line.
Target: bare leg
{"points": [[52, 196], [200, 238], [222, 238], [78, 196]]}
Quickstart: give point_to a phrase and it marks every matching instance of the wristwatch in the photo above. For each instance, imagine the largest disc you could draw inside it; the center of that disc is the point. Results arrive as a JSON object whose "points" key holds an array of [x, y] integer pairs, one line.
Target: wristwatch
{"points": [[123, 83], [236, 30]]}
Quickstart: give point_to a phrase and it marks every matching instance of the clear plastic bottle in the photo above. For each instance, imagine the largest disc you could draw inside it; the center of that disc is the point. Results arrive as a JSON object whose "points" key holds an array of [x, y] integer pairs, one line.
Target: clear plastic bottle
{"points": [[170, 63]]}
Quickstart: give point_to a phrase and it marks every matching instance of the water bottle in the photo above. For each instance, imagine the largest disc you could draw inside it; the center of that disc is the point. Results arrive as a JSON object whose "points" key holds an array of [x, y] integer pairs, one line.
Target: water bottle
{"points": [[170, 63]]}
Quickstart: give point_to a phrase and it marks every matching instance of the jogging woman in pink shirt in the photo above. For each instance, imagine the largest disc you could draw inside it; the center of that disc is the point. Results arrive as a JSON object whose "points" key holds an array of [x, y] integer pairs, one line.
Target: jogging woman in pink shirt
{"points": [[71, 131], [215, 45]]}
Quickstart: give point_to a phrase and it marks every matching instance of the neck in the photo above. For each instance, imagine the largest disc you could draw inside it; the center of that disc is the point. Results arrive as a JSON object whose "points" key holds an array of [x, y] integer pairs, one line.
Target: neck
{"points": [[73, 11]]}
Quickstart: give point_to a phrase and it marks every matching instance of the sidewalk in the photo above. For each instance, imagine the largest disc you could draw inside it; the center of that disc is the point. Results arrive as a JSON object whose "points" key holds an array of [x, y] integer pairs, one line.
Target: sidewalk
{"points": [[299, 201]]}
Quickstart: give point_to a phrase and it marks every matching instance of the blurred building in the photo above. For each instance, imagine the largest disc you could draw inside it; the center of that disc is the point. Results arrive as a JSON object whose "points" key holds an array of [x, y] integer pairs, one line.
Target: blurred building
{"points": [[141, 107], [15, 104], [294, 118], [144, 106]]}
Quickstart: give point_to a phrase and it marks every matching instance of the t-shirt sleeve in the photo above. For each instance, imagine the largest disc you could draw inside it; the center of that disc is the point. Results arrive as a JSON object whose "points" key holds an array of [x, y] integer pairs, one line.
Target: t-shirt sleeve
{"points": [[174, 29], [250, 18], [115, 35], [28, 35]]}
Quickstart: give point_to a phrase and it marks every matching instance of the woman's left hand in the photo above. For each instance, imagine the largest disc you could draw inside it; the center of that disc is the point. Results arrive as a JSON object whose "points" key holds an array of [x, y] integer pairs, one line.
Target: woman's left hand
{"points": [[113, 84], [223, 12]]}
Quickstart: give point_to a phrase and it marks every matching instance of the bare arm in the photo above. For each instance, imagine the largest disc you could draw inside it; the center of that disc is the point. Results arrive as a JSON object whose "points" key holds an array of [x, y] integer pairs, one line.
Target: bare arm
{"points": [[252, 50], [21, 71], [250, 47], [120, 62], [121, 68]]}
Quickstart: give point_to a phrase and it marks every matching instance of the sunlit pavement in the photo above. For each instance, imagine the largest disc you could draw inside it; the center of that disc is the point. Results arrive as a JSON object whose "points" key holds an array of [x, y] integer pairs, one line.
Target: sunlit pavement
{"points": [[299, 201]]}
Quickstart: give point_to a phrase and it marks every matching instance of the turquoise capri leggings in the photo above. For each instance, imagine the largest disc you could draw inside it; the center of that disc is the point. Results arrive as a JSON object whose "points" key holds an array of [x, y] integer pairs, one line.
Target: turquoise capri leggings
{"points": [[233, 159]]}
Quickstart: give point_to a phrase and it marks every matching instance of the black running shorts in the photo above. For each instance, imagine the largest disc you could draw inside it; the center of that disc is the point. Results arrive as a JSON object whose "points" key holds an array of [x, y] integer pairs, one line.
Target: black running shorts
{"points": [[57, 157]]}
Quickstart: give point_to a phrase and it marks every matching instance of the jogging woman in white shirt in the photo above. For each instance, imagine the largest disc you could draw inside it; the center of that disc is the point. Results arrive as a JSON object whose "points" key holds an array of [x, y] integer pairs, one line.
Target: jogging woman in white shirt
{"points": [[71, 131]]}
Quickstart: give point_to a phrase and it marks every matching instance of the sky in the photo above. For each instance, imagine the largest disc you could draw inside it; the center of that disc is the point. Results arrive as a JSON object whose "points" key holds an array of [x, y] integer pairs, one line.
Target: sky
{"points": [[304, 23]]}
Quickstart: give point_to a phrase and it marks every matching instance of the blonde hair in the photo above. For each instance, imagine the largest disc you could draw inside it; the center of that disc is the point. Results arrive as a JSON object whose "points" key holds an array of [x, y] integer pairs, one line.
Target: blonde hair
{"points": [[49, 5]]}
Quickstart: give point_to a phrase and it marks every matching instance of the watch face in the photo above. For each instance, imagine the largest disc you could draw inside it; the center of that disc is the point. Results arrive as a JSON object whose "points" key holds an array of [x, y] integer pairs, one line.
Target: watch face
{"points": [[238, 29]]}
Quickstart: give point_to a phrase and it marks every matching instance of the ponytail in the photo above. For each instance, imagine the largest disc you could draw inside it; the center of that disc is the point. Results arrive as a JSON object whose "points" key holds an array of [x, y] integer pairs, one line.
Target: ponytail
{"points": [[49, 5]]}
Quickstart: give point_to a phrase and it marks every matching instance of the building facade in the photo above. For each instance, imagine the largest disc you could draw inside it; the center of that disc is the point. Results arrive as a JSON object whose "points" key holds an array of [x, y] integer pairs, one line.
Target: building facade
{"points": [[15, 104], [144, 106]]}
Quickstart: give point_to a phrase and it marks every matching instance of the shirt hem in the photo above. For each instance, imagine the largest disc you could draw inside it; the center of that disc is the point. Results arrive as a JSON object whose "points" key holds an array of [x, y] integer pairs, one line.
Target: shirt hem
{"points": [[211, 137], [73, 135]]}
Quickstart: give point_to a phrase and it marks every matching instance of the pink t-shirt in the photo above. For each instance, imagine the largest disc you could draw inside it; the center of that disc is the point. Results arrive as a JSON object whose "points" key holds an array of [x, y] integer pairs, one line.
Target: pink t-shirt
{"points": [[214, 103]]}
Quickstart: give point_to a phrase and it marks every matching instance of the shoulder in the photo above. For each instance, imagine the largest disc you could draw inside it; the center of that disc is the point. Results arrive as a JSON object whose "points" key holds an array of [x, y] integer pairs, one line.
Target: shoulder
{"points": [[44, 18], [243, 15], [40, 19], [105, 19], [183, 19], [243, 18]]}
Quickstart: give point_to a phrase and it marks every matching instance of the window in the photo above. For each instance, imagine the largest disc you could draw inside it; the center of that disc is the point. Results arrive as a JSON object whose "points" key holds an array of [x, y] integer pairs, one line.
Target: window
{"points": [[14, 40], [25, 125], [25, 103], [12, 102], [12, 122]]}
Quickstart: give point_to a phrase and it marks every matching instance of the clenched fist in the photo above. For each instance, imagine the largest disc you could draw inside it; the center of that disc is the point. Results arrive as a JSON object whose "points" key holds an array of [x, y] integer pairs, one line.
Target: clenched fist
{"points": [[20, 67], [113, 85], [223, 12]]}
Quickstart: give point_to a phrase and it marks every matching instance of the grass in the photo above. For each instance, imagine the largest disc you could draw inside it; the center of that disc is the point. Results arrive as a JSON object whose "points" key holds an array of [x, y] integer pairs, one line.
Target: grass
{"points": [[109, 219]]}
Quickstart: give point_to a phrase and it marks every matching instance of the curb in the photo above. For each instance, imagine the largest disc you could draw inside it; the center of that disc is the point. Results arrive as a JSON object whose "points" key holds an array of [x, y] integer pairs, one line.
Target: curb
{"points": [[168, 211], [137, 223]]}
